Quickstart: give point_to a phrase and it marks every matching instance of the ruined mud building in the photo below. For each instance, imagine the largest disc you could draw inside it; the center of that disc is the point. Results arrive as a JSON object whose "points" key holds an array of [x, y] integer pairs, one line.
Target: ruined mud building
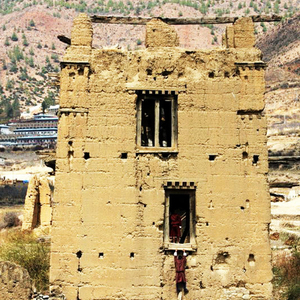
{"points": [[144, 133]]}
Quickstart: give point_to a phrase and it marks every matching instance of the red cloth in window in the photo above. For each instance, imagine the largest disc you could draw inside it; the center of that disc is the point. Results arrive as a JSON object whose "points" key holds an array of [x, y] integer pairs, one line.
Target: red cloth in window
{"points": [[175, 222], [180, 264]]}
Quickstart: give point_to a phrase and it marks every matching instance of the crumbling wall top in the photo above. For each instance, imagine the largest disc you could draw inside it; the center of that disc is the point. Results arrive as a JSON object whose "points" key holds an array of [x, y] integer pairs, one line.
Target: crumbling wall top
{"points": [[159, 34]]}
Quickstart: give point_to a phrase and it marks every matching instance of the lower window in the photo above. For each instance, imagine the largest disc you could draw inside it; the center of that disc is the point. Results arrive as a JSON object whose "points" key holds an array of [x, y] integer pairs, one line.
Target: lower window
{"points": [[179, 223]]}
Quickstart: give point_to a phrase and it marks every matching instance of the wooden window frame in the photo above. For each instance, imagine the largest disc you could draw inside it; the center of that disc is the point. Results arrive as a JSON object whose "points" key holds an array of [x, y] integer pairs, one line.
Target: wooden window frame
{"points": [[191, 191], [157, 96]]}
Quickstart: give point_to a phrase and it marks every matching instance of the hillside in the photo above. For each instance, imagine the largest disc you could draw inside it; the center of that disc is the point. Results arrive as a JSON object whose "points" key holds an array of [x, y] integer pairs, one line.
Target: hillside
{"points": [[281, 48], [30, 49]]}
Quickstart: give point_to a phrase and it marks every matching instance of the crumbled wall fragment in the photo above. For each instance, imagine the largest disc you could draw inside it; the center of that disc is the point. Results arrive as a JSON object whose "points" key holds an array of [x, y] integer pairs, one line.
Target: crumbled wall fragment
{"points": [[37, 209], [159, 34]]}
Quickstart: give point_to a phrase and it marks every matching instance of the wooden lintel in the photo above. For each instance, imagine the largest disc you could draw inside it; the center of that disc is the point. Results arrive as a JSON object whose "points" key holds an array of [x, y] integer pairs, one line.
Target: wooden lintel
{"points": [[64, 39], [74, 63], [179, 21]]}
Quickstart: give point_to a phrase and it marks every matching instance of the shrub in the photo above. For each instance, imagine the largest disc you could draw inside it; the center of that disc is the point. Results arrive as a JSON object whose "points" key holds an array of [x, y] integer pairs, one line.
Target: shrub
{"points": [[24, 249], [11, 219], [286, 271]]}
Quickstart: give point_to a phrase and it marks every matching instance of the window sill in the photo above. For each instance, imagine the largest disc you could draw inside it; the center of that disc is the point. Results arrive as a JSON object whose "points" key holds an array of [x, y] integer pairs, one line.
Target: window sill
{"points": [[178, 246], [157, 150]]}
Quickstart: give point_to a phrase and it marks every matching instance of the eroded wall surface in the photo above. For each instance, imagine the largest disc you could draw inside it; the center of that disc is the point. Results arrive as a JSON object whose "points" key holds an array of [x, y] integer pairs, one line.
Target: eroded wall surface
{"points": [[38, 206], [109, 206], [15, 282]]}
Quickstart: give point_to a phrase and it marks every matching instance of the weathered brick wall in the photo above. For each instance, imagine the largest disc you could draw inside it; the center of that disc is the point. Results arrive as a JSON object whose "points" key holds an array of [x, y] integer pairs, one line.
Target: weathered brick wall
{"points": [[109, 207]]}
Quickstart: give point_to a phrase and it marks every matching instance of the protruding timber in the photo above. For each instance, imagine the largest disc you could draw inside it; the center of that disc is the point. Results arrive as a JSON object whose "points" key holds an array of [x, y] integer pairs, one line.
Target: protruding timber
{"points": [[179, 21], [64, 39]]}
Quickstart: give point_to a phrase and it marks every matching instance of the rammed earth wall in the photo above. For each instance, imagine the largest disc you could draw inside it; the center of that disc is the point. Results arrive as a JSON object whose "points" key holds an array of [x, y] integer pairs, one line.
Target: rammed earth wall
{"points": [[109, 238]]}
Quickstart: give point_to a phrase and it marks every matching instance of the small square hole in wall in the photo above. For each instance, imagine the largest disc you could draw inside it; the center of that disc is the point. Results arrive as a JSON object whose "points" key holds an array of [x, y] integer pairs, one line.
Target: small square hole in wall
{"points": [[124, 155], [131, 254], [101, 255], [211, 74], [212, 157], [86, 155], [79, 254], [245, 155], [255, 159]]}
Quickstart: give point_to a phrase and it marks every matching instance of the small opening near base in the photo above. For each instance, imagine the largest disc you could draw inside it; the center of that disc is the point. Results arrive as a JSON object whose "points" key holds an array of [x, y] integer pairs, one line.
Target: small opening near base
{"points": [[86, 155], [131, 254], [212, 157], [101, 255], [124, 155]]}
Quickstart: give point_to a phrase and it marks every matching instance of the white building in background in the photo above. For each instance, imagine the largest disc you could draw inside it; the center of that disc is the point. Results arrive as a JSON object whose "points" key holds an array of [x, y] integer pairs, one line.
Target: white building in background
{"points": [[40, 130], [53, 109], [4, 129]]}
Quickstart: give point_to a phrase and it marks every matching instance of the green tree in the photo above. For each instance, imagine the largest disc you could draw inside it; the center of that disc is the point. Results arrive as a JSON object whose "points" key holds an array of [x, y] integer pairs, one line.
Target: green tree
{"points": [[39, 45], [9, 84], [31, 62], [54, 56], [53, 46], [18, 53], [3, 27], [16, 107], [6, 43], [276, 8], [31, 23], [25, 43], [14, 37], [44, 106], [13, 68], [31, 52]]}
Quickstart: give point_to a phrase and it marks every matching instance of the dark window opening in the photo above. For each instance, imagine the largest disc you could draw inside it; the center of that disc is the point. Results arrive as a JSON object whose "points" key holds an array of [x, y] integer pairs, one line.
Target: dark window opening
{"points": [[165, 123], [156, 120], [180, 214], [179, 218], [86, 155], [148, 125]]}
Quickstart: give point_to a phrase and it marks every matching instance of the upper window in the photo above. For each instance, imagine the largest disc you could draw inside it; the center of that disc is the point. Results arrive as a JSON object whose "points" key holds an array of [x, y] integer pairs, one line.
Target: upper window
{"points": [[156, 121]]}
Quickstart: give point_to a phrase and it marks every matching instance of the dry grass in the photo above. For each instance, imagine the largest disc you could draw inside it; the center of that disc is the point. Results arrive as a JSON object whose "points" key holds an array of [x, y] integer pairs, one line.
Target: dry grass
{"points": [[24, 249], [286, 268]]}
